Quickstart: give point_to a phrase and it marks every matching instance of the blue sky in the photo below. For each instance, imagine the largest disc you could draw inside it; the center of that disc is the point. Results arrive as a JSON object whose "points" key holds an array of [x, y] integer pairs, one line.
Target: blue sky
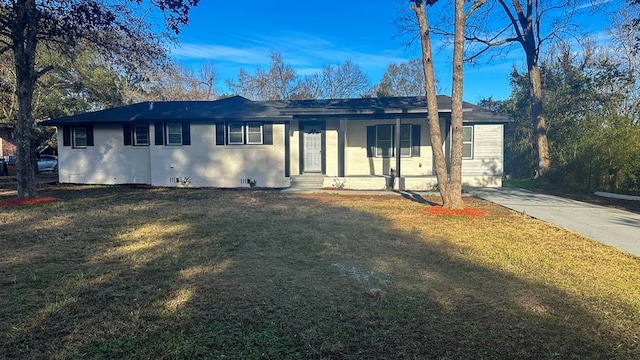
{"points": [[310, 34]]}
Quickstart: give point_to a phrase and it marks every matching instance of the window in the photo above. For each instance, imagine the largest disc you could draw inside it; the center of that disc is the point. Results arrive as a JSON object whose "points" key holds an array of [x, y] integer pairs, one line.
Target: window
{"points": [[80, 137], [254, 133], [467, 142], [241, 133], [141, 134], [174, 134], [236, 133], [385, 140], [405, 140]]}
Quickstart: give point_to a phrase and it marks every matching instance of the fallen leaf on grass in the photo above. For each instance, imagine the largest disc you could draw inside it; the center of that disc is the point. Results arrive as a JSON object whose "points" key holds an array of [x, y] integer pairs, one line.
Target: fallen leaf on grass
{"points": [[27, 201]]}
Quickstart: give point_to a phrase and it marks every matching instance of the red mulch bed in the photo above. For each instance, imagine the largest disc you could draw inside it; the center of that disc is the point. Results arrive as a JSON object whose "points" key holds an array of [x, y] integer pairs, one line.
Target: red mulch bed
{"points": [[27, 201], [468, 211]]}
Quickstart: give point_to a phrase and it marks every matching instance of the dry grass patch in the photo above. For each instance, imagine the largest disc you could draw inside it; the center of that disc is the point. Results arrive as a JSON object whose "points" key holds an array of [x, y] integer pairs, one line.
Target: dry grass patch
{"points": [[115, 272]]}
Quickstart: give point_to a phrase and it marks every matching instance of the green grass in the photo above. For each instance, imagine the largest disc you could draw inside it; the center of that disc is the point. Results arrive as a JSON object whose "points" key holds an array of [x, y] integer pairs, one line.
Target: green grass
{"points": [[118, 272]]}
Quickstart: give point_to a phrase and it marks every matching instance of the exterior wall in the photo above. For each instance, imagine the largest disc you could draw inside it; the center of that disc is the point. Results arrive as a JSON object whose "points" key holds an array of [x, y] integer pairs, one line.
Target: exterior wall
{"points": [[108, 162], [207, 164], [486, 167], [7, 146], [331, 153], [358, 164], [418, 173], [294, 139], [202, 162]]}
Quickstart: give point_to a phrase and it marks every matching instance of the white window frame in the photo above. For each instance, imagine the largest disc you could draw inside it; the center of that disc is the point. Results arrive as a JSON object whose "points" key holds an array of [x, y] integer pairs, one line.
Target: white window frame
{"points": [[179, 127], [249, 133], [469, 142], [235, 133], [138, 141], [76, 137]]}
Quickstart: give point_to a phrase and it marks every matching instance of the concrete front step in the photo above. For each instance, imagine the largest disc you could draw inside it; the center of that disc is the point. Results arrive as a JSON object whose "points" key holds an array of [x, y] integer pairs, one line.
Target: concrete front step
{"points": [[307, 181]]}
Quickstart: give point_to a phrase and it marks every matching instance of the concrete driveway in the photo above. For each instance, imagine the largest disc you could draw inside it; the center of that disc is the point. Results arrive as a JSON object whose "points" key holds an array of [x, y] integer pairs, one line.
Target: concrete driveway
{"points": [[610, 226]]}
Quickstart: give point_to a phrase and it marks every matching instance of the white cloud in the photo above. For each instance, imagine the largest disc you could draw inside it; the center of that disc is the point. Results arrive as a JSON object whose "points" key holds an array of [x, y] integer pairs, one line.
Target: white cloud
{"points": [[304, 52]]}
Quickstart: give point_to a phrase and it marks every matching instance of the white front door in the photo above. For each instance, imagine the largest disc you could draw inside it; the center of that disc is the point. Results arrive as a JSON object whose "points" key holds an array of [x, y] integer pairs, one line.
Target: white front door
{"points": [[312, 149]]}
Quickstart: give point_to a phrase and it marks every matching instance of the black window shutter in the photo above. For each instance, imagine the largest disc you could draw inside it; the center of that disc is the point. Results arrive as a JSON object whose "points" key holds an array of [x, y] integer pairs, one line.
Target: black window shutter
{"points": [[66, 135], [159, 131], [220, 132], [127, 133], [371, 141], [186, 134], [415, 140], [89, 135], [267, 134]]}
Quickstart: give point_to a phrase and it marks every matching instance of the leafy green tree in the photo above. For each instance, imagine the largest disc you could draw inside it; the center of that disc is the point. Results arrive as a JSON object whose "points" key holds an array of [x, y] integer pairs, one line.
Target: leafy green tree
{"points": [[114, 27], [593, 134]]}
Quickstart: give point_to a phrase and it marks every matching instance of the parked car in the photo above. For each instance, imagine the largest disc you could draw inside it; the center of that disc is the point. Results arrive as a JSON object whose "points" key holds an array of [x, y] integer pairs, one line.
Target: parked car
{"points": [[48, 163]]}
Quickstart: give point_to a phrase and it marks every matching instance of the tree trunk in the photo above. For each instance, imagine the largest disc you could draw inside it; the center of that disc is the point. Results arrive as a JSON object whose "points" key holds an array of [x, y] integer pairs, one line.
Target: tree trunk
{"points": [[450, 192], [455, 180], [24, 39], [538, 121]]}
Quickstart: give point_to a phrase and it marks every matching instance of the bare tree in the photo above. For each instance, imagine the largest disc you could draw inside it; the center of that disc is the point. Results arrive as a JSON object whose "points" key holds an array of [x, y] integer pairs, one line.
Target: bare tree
{"points": [[174, 82], [112, 27], [404, 79], [276, 84], [340, 81], [449, 183]]}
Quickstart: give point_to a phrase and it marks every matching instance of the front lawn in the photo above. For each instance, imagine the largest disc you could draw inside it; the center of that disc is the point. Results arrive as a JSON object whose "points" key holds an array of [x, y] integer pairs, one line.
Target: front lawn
{"points": [[120, 272]]}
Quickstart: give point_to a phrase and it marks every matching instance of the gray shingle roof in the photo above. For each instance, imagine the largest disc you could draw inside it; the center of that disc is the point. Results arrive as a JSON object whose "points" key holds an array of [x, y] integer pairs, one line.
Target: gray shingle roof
{"points": [[239, 108]]}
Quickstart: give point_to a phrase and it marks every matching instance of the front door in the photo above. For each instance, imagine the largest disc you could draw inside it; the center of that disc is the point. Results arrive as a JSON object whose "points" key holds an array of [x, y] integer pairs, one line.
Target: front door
{"points": [[312, 149]]}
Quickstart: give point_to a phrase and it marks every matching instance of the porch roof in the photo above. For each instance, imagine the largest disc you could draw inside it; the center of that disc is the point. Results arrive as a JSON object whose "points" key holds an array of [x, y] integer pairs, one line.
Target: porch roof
{"points": [[381, 108]]}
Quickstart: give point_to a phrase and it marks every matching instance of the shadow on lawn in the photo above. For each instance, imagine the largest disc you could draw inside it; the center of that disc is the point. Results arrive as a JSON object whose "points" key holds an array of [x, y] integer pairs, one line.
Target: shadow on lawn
{"points": [[175, 273]]}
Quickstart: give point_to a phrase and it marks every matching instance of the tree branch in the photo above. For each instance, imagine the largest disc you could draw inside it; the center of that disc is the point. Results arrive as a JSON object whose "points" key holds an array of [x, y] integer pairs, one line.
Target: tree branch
{"points": [[5, 48], [512, 19], [476, 5], [43, 71]]}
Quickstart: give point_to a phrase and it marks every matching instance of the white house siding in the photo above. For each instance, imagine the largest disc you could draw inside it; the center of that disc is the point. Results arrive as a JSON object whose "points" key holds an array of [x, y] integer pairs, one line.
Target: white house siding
{"points": [[294, 147], [107, 162], [204, 163], [331, 141], [486, 167]]}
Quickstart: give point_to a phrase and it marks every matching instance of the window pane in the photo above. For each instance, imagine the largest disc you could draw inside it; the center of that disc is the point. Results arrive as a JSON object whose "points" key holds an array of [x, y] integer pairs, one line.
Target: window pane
{"points": [[467, 133], [467, 142], [236, 134], [254, 133], [142, 135], [405, 140], [383, 132], [405, 148], [80, 137], [384, 140], [384, 148], [174, 134], [466, 151]]}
